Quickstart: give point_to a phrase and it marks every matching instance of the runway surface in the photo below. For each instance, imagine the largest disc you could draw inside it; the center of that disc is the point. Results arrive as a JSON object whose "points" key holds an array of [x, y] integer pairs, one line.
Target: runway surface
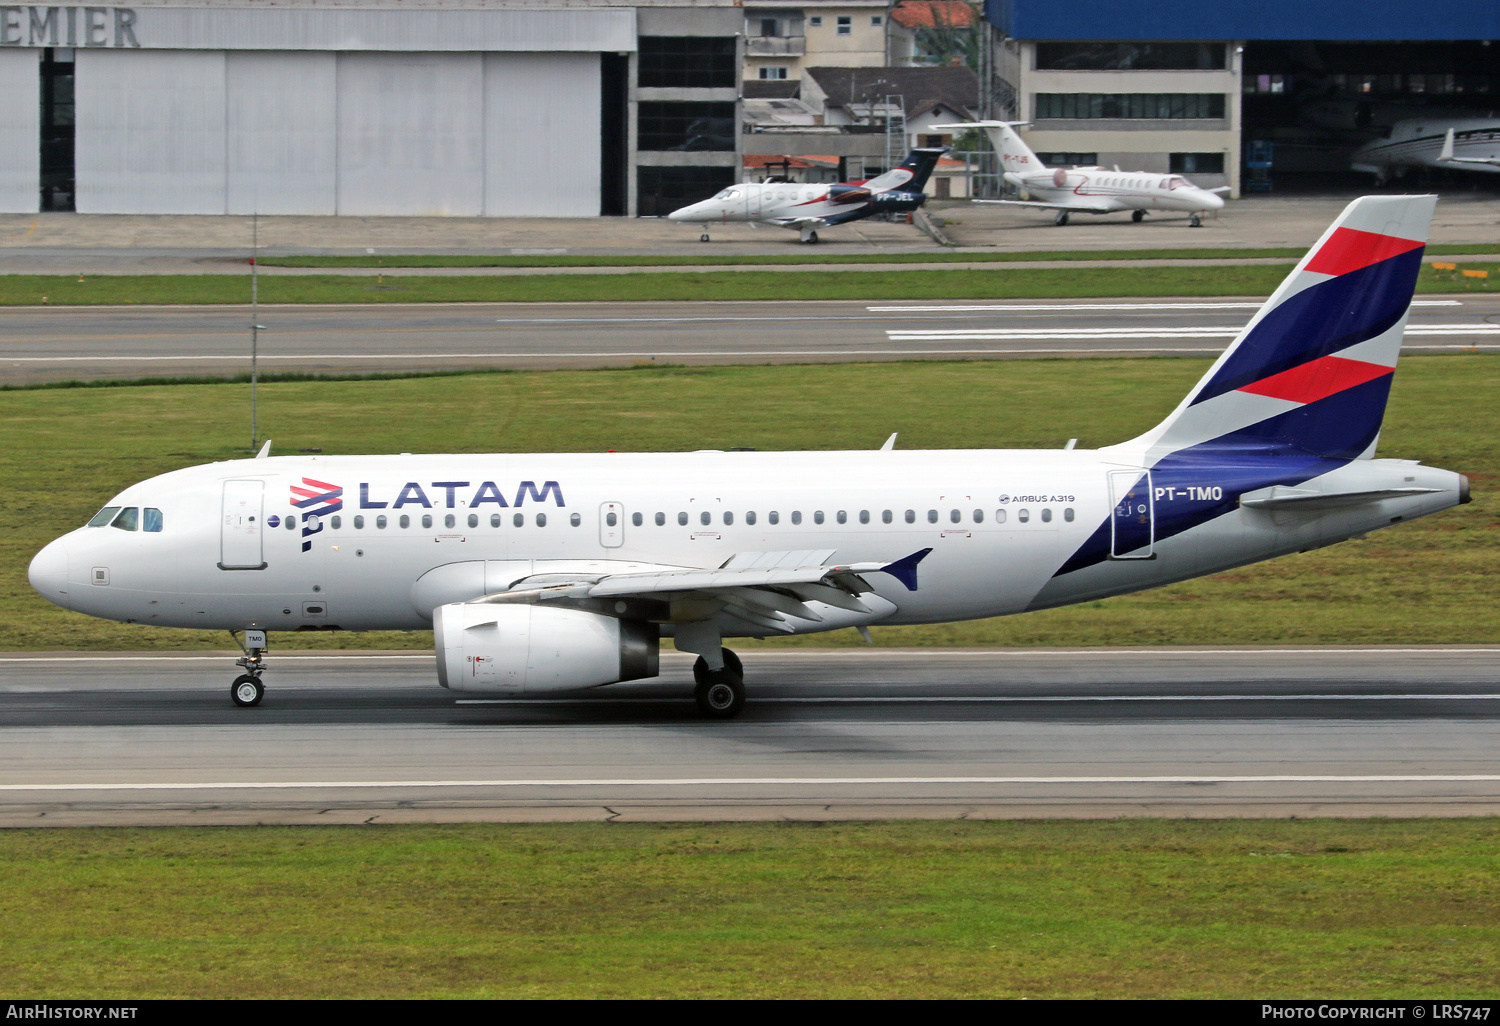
{"points": [[826, 734], [57, 344]]}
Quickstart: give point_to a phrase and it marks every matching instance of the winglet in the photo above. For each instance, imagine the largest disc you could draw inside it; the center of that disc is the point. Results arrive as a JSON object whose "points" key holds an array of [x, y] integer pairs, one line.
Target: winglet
{"points": [[265, 450], [1447, 152], [905, 568], [890, 443]]}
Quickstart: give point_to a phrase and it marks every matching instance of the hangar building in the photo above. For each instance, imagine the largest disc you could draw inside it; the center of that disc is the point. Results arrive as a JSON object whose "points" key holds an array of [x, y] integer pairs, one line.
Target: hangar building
{"points": [[562, 108], [1179, 85]]}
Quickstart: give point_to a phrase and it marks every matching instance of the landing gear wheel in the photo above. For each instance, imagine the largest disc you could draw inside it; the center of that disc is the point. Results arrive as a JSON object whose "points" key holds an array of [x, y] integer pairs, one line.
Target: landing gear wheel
{"points": [[720, 694], [1195, 222], [1061, 219], [247, 690], [1138, 216], [703, 237], [811, 238]]}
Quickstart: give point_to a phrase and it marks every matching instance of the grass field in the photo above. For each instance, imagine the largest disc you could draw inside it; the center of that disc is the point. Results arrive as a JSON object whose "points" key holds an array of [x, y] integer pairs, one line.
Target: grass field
{"points": [[1433, 581], [806, 257], [1188, 909]]}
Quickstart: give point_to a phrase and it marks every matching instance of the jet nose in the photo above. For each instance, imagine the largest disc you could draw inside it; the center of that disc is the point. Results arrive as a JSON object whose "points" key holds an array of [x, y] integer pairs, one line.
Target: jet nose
{"points": [[1213, 200], [48, 573]]}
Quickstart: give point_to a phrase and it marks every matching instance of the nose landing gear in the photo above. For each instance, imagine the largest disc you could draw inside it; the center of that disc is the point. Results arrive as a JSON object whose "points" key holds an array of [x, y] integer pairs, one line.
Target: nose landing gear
{"points": [[1138, 216], [1195, 221], [703, 237], [247, 690]]}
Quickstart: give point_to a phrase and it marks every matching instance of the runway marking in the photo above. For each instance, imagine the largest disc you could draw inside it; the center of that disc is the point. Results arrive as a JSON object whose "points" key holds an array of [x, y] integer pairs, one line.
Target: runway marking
{"points": [[962, 700], [1013, 334], [272, 785], [1109, 306]]}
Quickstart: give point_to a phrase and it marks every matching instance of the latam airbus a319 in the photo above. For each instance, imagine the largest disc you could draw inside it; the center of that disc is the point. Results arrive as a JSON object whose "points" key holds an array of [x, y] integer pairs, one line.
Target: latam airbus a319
{"points": [[562, 572], [1089, 190], [807, 208]]}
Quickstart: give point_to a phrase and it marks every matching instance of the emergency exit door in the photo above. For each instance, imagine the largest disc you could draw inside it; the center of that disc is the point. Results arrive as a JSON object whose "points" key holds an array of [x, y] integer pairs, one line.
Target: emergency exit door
{"points": [[242, 518]]}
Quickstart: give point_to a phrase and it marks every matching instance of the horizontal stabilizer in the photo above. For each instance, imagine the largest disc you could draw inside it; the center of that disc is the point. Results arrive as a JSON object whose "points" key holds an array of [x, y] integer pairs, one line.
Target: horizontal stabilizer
{"points": [[1281, 497], [1071, 207]]}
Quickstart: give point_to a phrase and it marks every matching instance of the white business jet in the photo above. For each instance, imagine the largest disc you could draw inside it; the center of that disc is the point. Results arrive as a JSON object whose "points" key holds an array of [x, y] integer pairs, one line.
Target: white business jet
{"points": [[806, 208], [1465, 144], [1089, 190], [544, 573]]}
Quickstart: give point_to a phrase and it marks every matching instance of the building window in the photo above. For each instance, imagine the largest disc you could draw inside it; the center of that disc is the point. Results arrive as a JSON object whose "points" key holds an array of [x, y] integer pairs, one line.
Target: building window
{"points": [[1130, 56], [846, 24], [816, 21], [1129, 106], [1075, 159], [1196, 163], [685, 126], [776, 73], [686, 62], [876, 19]]}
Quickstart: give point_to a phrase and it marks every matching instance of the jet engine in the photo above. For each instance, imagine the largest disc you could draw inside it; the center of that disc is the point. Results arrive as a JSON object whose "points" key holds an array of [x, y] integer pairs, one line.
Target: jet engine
{"points": [[526, 649]]}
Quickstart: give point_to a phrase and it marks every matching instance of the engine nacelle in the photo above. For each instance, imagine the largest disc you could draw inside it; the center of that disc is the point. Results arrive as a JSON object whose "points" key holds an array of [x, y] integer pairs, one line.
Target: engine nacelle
{"points": [[532, 649]]}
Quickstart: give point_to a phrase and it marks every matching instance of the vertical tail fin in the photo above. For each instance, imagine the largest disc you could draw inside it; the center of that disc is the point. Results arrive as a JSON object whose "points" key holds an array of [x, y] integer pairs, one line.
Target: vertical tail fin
{"points": [[1013, 152], [1312, 370], [911, 174]]}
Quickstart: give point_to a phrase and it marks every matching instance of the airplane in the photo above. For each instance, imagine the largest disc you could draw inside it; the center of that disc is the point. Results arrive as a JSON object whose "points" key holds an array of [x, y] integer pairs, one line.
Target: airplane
{"points": [[1089, 190], [555, 573], [1431, 142], [807, 208]]}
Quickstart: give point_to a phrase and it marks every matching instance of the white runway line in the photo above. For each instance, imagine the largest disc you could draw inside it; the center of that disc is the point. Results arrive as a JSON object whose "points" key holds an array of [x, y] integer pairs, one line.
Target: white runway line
{"points": [[1015, 334], [1108, 306], [963, 700], [275, 785]]}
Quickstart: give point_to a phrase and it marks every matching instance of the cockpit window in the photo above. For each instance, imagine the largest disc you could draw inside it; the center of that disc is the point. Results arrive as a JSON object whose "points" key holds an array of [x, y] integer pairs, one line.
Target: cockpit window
{"points": [[127, 520], [730, 193], [152, 520], [104, 516]]}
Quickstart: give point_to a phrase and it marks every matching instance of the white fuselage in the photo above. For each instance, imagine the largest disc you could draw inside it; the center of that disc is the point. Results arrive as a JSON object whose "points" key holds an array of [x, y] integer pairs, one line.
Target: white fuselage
{"points": [[1418, 142], [999, 524], [1101, 191]]}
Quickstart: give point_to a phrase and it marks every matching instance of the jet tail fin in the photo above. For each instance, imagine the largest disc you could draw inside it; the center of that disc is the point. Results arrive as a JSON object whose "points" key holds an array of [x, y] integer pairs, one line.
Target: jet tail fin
{"points": [[1311, 372], [911, 174], [1013, 152]]}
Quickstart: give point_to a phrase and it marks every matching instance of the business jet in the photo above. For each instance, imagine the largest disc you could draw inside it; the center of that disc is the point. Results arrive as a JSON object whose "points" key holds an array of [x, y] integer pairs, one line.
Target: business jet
{"points": [[1465, 144], [1089, 190], [545, 573], [808, 208]]}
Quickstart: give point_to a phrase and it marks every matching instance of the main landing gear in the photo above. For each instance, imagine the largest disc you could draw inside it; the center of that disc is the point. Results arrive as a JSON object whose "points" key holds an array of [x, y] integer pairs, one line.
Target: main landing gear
{"points": [[1137, 216], [247, 690], [811, 238], [1061, 218], [720, 693]]}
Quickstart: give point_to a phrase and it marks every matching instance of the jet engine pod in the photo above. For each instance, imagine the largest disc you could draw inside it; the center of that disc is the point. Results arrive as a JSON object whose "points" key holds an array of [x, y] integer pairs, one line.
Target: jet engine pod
{"points": [[531, 649]]}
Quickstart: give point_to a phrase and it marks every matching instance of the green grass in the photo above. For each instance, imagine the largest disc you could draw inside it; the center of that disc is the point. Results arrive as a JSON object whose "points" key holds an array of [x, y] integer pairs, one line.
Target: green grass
{"points": [[67, 450], [804, 257], [1187, 909]]}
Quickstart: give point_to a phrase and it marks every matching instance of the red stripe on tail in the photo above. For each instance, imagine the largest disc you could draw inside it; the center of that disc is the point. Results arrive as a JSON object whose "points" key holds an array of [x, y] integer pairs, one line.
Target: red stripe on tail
{"points": [[1317, 380], [1349, 249]]}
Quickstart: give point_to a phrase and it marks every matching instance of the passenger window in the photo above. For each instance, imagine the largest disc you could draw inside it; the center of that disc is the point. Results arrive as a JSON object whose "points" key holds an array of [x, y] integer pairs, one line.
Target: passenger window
{"points": [[1068, 514], [575, 519], [682, 519], [885, 517], [152, 521], [932, 516], [999, 516], [661, 519], [473, 519], [449, 521], [705, 518], [636, 519], [427, 520], [380, 522], [1046, 516], [750, 518], [291, 523], [842, 517], [911, 516], [541, 520], [728, 518], [955, 516], [104, 516], [519, 520], [979, 516], [796, 516], [403, 521], [611, 519], [128, 518], [494, 519], [1023, 516], [817, 516], [359, 522], [774, 517], [864, 516]]}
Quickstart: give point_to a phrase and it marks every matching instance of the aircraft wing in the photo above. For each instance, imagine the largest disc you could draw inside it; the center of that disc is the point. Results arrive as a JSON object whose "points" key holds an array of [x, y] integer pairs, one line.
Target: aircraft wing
{"points": [[1075, 208], [1447, 157], [760, 588], [800, 223]]}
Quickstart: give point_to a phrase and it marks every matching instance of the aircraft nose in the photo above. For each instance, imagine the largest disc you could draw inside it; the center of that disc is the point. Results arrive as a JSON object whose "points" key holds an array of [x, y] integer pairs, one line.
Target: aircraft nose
{"points": [[48, 573], [1214, 201]]}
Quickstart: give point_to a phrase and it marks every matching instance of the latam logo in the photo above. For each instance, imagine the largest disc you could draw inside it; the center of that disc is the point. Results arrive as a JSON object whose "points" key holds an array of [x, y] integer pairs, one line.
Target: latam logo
{"points": [[413, 494], [315, 499]]}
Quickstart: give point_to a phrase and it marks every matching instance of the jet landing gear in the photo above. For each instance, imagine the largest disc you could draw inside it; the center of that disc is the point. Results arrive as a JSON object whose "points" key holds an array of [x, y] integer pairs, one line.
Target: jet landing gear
{"points": [[1138, 216], [720, 693], [810, 237], [1195, 221], [703, 237], [247, 690], [1061, 218]]}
